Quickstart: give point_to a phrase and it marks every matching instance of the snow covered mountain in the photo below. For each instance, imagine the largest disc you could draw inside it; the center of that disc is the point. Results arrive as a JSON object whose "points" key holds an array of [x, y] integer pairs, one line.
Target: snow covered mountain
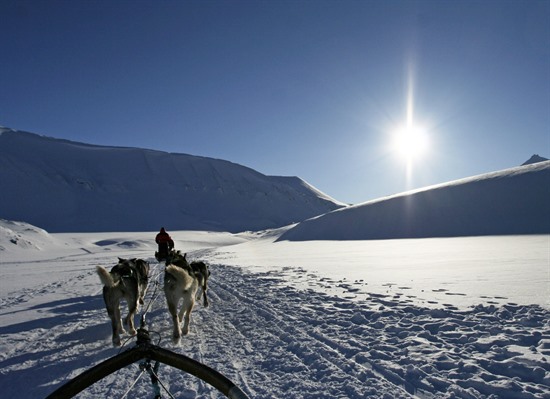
{"points": [[512, 201], [535, 158], [65, 186]]}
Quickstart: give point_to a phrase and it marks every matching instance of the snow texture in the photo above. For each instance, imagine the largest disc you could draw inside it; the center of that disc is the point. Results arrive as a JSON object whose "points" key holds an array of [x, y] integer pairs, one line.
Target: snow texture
{"points": [[512, 201], [66, 186], [282, 324]]}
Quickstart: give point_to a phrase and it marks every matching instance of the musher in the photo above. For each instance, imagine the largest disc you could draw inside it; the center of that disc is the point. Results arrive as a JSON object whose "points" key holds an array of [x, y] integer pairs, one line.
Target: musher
{"points": [[165, 243]]}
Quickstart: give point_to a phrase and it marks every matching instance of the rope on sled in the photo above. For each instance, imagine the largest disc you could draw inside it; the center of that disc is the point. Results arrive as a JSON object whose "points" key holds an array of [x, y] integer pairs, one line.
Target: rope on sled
{"points": [[155, 380], [145, 366], [154, 296], [146, 309], [133, 384]]}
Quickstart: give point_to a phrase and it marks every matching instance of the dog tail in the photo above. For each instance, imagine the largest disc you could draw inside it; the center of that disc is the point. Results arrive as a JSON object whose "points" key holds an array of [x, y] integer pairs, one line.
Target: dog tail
{"points": [[181, 275], [105, 277]]}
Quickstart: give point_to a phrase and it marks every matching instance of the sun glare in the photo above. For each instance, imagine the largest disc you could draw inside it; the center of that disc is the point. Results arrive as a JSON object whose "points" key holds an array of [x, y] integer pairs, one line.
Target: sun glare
{"points": [[411, 142]]}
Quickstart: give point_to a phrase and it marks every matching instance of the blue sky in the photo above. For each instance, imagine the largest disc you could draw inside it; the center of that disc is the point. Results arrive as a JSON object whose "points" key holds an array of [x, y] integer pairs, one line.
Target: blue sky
{"points": [[308, 88]]}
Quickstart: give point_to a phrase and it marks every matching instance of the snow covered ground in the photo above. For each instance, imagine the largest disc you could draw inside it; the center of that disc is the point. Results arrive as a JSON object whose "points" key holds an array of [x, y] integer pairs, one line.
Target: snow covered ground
{"points": [[426, 318]]}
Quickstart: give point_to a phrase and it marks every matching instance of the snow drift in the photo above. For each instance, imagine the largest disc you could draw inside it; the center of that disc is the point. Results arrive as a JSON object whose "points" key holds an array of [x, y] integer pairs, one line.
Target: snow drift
{"points": [[512, 201], [65, 186], [23, 236]]}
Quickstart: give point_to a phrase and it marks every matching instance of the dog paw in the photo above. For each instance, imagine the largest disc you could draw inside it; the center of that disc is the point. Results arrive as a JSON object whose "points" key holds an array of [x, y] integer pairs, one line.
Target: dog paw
{"points": [[132, 332], [116, 342]]}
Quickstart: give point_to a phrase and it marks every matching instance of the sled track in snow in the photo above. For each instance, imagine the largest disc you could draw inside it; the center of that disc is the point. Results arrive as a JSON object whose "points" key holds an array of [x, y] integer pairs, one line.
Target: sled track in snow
{"points": [[276, 341], [312, 345], [271, 324]]}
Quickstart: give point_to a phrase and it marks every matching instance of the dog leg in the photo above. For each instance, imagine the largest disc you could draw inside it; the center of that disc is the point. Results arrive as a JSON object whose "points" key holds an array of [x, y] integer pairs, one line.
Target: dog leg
{"points": [[199, 294], [112, 303], [115, 331], [116, 338], [187, 317], [130, 318], [116, 323], [204, 289], [181, 315], [201, 291], [142, 290], [118, 319], [172, 308]]}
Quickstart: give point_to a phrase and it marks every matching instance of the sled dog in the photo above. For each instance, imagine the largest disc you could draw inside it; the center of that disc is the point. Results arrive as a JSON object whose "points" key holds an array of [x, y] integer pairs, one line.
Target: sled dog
{"points": [[127, 280], [198, 268], [202, 272], [181, 281]]}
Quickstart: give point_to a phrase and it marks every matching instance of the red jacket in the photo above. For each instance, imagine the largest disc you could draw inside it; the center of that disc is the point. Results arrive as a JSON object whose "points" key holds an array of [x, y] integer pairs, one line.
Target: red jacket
{"points": [[163, 239]]}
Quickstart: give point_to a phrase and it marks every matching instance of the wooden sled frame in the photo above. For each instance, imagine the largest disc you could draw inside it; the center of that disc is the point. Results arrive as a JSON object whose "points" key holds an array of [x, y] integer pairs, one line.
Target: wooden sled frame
{"points": [[145, 350]]}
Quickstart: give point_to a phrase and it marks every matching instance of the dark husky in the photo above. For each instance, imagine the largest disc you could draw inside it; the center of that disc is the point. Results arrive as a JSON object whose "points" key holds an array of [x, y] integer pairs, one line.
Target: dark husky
{"points": [[128, 279], [181, 281]]}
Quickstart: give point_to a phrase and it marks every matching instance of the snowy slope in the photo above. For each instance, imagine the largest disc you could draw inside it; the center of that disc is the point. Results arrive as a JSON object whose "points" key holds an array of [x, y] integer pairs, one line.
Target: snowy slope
{"points": [[67, 186], [284, 331], [512, 201], [23, 236]]}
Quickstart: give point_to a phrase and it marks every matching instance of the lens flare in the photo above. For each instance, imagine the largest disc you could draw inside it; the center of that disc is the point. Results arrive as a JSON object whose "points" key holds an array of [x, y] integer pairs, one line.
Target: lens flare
{"points": [[411, 142]]}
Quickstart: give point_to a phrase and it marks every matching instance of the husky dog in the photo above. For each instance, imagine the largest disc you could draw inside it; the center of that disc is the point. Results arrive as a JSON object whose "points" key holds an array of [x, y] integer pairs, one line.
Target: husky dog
{"points": [[128, 279], [202, 273], [198, 268], [181, 281]]}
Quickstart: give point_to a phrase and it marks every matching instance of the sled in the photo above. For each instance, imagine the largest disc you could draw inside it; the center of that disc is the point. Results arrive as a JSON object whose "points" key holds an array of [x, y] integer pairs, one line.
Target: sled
{"points": [[145, 350], [160, 257]]}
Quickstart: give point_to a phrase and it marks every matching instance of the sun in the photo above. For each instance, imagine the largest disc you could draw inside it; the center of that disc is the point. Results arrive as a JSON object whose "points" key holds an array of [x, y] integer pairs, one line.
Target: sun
{"points": [[411, 142]]}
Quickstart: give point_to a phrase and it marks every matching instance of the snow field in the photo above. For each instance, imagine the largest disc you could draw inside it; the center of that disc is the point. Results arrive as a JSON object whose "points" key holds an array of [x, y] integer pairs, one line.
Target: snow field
{"points": [[271, 330]]}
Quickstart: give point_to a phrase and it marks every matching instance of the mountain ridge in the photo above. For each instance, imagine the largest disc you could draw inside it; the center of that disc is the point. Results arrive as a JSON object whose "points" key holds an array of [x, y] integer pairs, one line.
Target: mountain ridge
{"points": [[535, 158], [507, 202], [63, 186]]}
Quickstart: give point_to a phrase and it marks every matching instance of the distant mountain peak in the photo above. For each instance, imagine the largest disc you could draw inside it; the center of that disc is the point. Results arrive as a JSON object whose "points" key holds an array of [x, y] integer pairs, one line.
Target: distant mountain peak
{"points": [[535, 158], [65, 186]]}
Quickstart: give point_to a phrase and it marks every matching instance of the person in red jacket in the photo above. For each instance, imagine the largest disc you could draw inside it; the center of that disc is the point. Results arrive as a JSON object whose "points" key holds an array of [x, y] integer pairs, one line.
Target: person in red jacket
{"points": [[165, 243]]}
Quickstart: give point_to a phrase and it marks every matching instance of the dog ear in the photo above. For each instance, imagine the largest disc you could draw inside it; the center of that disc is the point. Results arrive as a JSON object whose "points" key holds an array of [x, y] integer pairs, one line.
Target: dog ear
{"points": [[120, 260]]}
